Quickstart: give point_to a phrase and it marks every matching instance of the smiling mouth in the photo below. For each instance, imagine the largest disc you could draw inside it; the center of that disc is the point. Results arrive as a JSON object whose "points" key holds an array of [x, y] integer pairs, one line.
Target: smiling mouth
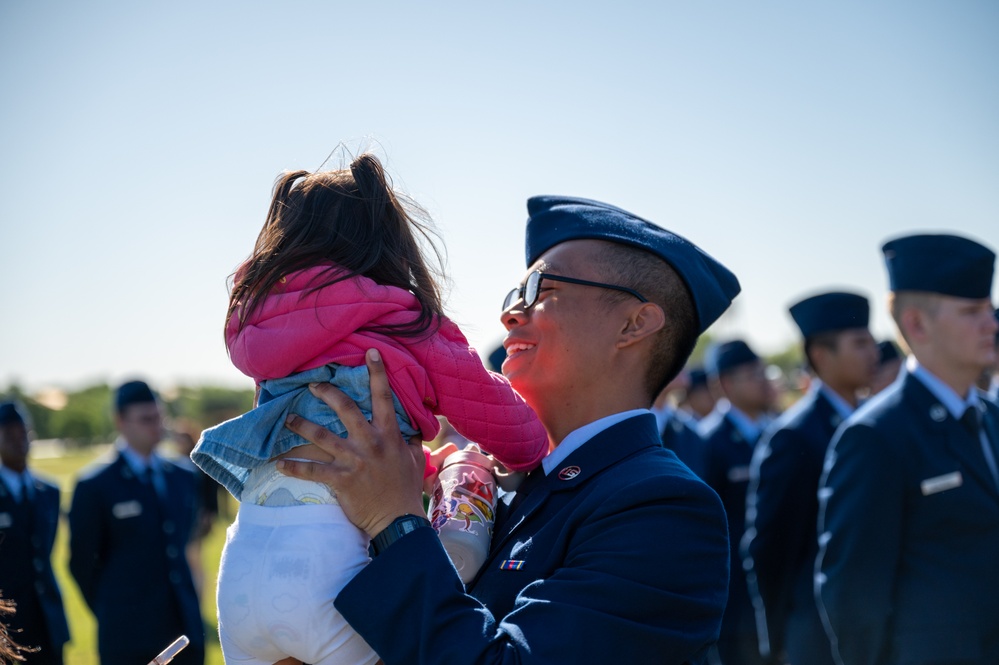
{"points": [[517, 347]]}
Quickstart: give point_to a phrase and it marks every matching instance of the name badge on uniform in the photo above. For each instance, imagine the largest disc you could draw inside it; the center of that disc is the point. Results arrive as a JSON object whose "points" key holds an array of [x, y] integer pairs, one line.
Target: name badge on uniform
{"points": [[6, 520], [126, 509], [738, 474], [948, 481]]}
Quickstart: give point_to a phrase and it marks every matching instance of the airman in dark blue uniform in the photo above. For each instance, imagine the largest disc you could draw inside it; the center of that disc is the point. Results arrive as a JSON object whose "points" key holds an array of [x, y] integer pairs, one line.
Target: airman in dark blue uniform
{"points": [[730, 434], [781, 538], [131, 518], [29, 518], [614, 551], [909, 500]]}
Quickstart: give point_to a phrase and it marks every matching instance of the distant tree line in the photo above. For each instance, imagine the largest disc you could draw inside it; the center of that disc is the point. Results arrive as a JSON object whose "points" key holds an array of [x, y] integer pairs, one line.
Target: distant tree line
{"points": [[87, 416]]}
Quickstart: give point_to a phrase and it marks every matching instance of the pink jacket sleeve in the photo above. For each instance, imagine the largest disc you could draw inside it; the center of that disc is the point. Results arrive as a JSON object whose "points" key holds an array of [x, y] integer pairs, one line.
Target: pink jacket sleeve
{"points": [[482, 405]]}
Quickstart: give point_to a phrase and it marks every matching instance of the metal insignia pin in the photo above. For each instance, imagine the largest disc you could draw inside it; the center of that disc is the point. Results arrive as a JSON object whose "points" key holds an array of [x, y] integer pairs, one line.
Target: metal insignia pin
{"points": [[569, 472], [938, 413]]}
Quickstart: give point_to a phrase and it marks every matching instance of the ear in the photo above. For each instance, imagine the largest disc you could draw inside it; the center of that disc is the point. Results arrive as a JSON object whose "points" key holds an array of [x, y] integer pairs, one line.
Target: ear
{"points": [[913, 323], [643, 322]]}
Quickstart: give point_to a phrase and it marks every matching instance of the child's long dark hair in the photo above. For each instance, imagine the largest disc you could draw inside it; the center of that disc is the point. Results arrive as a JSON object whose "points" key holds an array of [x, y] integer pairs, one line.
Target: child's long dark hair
{"points": [[352, 219]]}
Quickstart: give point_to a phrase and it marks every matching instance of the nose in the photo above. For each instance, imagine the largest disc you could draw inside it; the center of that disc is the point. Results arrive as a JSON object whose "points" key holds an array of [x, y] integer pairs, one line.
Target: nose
{"points": [[514, 316]]}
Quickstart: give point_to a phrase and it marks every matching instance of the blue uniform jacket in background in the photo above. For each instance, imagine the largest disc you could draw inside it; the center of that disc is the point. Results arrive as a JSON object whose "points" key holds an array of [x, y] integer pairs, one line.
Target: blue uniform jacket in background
{"points": [[781, 541], [910, 534], [26, 574], [127, 554], [618, 556]]}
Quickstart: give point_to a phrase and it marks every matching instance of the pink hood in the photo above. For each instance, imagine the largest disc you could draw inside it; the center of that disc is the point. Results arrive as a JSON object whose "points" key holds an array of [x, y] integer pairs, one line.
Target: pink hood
{"points": [[435, 374]]}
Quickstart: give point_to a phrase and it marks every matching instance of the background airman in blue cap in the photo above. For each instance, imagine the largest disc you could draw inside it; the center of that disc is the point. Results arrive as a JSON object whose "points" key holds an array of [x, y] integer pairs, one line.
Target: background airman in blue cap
{"points": [[909, 516], [29, 518], [889, 366], [612, 550], [129, 524], [730, 433], [779, 547]]}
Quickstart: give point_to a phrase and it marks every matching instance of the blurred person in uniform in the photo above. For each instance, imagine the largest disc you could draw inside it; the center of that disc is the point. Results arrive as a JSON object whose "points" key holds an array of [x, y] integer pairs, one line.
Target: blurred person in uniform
{"points": [[889, 366], [207, 504], [781, 538], [29, 518], [909, 500], [730, 433], [698, 401], [676, 428], [132, 515]]}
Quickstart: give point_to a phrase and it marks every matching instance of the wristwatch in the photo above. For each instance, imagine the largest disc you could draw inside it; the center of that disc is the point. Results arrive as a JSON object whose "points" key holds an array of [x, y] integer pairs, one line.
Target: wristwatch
{"points": [[396, 530]]}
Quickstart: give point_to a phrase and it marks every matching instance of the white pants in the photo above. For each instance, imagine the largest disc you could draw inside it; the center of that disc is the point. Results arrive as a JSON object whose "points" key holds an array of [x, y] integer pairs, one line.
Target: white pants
{"points": [[281, 569]]}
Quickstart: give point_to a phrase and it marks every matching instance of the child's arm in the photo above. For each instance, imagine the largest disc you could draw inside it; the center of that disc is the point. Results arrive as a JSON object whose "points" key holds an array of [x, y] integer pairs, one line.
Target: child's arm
{"points": [[482, 405]]}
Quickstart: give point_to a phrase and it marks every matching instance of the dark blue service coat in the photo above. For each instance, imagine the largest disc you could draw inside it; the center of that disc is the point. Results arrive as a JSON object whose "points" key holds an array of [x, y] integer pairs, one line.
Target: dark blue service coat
{"points": [[781, 539], [910, 535], [127, 556], [619, 555], [27, 534], [680, 435]]}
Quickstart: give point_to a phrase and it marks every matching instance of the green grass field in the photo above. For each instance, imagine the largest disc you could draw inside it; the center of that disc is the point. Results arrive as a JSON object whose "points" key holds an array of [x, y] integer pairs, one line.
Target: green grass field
{"points": [[82, 649]]}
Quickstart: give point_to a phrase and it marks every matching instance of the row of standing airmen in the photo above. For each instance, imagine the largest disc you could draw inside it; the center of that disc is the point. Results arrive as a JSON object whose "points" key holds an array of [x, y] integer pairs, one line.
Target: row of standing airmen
{"points": [[134, 517], [864, 520]]}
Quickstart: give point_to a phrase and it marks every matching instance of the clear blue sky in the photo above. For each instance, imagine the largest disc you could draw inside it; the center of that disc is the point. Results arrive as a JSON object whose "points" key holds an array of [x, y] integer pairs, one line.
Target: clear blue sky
{"points": [[139, 143]]}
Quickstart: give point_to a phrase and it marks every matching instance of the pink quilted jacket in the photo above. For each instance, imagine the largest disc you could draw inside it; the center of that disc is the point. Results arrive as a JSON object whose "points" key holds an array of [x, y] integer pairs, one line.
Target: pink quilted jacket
{"points": [[437, 374]]}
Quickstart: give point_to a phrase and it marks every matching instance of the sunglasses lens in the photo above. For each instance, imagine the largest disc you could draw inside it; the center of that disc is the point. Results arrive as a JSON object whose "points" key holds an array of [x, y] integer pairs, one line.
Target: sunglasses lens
{"points": [[531, 288], [511, 298]]}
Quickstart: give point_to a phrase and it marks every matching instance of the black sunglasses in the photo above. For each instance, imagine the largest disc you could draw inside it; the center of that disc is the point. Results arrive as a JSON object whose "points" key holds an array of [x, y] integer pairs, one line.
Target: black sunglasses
{"points": [[532, 286]]}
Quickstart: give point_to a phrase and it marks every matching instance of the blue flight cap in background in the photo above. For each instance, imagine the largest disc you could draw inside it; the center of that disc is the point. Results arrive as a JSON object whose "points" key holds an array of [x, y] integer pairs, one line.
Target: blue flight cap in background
{"points": [[12, 413], [945, 264], [829, 312], [698, 378], [557, 219], [887, 351], [723, 358], [132, 392]]}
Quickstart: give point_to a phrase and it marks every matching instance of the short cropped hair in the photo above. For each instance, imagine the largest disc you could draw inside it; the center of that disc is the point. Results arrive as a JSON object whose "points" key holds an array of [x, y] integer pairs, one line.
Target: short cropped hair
{"points": [[827, 340], [899, 301], [657, 281]]}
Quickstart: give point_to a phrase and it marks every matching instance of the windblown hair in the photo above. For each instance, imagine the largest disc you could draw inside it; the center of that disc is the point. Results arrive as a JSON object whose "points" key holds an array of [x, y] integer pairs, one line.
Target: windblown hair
{"points": [[353, 220], [10, 651], [657, 281]]}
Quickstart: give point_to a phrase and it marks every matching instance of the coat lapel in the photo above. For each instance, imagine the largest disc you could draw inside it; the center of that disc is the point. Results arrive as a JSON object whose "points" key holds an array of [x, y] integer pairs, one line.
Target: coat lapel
{"points": [[602, 451], [942, 426]]}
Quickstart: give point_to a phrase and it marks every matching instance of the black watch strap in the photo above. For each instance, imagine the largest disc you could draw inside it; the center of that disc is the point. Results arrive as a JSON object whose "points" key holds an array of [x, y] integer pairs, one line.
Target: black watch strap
{"points": [[396, 530]]}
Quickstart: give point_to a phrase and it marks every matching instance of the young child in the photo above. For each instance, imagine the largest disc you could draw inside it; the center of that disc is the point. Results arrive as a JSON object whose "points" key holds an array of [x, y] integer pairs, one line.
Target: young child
{"points": [[336, 270]]}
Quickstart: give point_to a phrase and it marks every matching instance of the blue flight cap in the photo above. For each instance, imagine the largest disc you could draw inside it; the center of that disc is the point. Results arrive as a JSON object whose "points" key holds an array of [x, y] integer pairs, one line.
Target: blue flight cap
{"points": [[12, 413], [698, 377], [556, 219], [945, 264], [132, 392], [829, 312], [887, 351], [725, 357]]}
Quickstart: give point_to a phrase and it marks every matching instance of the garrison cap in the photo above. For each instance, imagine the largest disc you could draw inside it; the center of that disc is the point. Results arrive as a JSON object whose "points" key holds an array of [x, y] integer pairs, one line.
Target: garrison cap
{"points": [[132, 392], [725, 357], [829, 312], [11, 413], [557, 219], [698, 377], [946, 264]]}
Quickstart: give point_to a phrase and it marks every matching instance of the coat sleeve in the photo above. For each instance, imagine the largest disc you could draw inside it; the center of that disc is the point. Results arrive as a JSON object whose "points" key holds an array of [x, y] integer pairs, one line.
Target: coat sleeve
{"points": [[860, 524], [644, 579], [87, 530], [482, 405]]}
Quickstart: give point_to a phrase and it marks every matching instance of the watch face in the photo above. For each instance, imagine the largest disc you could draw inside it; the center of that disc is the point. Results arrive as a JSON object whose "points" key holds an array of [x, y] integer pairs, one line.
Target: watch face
{"points": [[409, 525]]}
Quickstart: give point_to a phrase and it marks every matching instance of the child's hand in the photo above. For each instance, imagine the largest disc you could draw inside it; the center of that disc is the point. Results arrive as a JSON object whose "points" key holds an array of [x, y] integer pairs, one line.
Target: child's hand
{"points": [[437, 460]]}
